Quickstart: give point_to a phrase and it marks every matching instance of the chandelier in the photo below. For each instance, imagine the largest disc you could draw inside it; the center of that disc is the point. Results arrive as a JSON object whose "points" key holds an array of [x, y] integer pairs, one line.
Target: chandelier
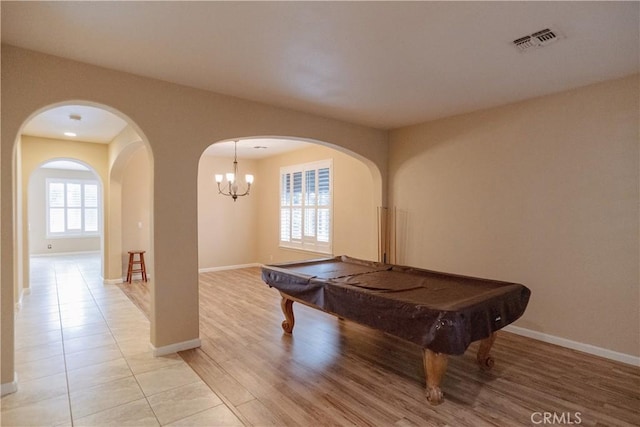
{"points": [[230, 188]]}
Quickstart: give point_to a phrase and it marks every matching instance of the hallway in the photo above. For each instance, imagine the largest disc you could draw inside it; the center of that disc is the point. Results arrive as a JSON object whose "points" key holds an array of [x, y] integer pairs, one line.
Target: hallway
{"points": [[83, 358]]}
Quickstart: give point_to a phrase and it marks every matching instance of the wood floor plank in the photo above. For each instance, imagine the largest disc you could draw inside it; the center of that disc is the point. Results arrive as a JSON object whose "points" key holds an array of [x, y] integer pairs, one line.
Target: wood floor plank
{"points": [[258, 414], [336, 372]]}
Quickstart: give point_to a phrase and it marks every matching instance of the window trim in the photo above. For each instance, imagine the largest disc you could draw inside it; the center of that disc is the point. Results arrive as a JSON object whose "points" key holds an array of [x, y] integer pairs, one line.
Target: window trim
{"points": [[70, 234], [305, 244]]}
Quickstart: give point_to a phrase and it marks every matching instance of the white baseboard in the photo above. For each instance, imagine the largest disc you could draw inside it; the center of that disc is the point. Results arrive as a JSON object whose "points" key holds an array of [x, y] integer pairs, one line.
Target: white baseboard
{"points": [[575, 345], [174, 348], [11, 387], [18, 305], [228, 267], [66, 253]]}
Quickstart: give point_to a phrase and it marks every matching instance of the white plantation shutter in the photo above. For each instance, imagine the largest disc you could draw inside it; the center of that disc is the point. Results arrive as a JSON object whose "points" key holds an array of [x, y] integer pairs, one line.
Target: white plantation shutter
{"points": [[56, 220], [56, 194], [309, 202], [285, 207], [305, 206], [72, 208], [90, 195], [324, 205], [91, 208], [296, 210], [74, 195], [74, 219], [91, 220], [55, 200]]}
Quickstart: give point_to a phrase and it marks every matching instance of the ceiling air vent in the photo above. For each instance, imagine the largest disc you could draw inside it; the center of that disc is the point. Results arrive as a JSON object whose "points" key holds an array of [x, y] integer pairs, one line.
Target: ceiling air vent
{"points": [[535, 40]]}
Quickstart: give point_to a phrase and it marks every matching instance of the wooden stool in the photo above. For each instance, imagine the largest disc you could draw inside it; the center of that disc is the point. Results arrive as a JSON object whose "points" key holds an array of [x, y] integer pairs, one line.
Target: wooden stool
{"points": [[140, 262]]}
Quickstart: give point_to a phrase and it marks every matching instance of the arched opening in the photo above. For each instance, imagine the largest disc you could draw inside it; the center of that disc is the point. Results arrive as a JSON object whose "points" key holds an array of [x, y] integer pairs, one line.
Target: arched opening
{"points": [[130, 208], [110, 148], [244, 233], [65, 208], [105, 140], [236, 308], [248, 231]]}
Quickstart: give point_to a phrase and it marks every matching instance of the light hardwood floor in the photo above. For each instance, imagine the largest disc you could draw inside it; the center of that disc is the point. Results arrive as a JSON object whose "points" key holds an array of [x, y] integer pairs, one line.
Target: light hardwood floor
{"points": [[335, 372]]}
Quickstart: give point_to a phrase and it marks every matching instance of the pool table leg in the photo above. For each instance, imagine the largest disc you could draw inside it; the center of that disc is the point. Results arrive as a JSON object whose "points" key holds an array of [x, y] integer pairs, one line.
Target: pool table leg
{"points": [[484, 360], [287, 309], [435, 365]]}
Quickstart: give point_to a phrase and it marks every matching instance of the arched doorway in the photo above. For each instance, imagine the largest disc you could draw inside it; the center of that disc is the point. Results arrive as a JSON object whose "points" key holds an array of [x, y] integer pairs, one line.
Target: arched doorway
{"points": [[246, 232], [98, 136], [237, 236], [34, 146], [129, 208], [64, 208]]}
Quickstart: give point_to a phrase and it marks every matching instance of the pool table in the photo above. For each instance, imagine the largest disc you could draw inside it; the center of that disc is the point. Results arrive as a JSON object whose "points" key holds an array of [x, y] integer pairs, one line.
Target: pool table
{"points": [[441, 312]]}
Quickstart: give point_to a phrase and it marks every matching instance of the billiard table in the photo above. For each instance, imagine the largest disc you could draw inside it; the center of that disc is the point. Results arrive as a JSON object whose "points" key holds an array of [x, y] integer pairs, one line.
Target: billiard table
{"points": [[443, 313]]}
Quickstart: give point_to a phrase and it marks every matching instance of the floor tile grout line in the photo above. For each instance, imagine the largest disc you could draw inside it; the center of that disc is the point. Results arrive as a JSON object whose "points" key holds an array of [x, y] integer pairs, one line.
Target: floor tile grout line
{"points": [[62, 335], [199, 412], [64, 353], [173, 388], [135, 378], [53, 281], [164, 391], [59, 271], [221, 396]]}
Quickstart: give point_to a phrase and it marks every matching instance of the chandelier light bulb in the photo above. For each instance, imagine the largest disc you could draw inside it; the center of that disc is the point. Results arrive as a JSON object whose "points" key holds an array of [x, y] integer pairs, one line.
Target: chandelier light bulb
{"points": [[231, 187]]}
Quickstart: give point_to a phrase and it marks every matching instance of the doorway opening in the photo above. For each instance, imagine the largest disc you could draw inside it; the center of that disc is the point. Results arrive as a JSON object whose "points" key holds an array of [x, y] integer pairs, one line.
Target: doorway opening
{"points": [[64, 209], [75, 163]]}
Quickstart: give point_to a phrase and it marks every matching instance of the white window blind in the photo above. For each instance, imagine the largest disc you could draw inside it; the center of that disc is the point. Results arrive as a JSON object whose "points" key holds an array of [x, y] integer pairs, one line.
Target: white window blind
{"points": [[305, 206], [72, 208]]}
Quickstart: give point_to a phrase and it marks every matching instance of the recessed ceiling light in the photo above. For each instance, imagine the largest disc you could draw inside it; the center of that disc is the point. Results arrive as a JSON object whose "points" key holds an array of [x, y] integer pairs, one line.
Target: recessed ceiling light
{"points": [[69, 134]]}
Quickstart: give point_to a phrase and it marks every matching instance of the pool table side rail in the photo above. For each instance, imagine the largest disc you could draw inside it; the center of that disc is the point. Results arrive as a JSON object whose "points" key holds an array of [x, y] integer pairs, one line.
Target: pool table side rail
{"points": [[442, 331]]}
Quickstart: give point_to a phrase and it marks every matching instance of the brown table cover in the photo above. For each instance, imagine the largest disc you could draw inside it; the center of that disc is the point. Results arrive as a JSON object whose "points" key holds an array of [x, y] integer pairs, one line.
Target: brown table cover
{"points": [[440, 311]]}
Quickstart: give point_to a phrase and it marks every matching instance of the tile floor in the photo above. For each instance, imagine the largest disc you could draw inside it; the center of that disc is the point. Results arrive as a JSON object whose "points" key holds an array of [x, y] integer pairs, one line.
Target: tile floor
{"points": [[83, 358]]}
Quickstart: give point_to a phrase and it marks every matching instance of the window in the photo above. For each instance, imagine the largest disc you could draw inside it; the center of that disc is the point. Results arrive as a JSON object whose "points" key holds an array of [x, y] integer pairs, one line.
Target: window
{"points": [[72, 208], [305, 206]]}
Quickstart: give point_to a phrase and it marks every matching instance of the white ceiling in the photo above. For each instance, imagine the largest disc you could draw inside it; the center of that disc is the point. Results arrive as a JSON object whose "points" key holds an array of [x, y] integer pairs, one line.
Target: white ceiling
{"points": [[255, 148], [100, 126], [95, 124], [383, 64]]}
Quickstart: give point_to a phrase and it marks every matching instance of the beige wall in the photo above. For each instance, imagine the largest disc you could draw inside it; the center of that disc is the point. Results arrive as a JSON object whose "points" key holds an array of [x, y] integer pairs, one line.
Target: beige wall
{"points": [[121, 150], [21, 271], [543, 192], [135, 205], [227, 230], [177, 123], [354, 206]]}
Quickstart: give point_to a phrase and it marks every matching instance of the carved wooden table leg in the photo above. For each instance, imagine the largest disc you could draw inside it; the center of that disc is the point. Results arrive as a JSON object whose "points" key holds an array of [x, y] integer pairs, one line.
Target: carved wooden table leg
{"points": [[484, 360], [435, 365], [287, 309]]}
